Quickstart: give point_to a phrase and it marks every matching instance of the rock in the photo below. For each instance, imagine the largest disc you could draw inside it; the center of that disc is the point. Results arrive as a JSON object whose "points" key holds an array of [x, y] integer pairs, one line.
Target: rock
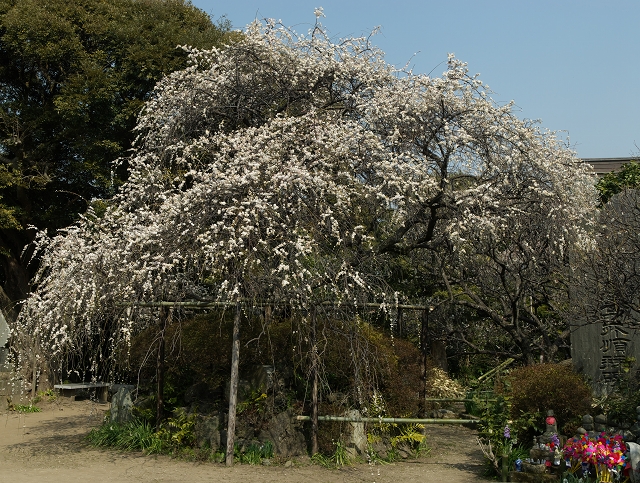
{"points": [[266, 462], [338, 398], [285, 435], [121, 406], [261, 378], [581, 431], [447, 414], [379, 450], [357, 440], [587, 422], [4, 364], [196, 392], [404, 453], [600, 419], [244, 390], [533, 468], [258, 380], [288, 464], [207, 432], [245, 431], [539, 454], [114, 388], [521, 476]]}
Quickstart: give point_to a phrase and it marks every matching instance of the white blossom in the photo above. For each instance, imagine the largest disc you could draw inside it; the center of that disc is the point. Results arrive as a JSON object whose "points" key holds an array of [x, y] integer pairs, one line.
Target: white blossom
{"points": [[290, 168]]}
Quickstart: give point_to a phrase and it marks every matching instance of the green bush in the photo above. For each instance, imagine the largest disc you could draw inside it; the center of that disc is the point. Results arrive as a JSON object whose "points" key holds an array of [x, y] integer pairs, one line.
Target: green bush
{"points": [[537, 388]]}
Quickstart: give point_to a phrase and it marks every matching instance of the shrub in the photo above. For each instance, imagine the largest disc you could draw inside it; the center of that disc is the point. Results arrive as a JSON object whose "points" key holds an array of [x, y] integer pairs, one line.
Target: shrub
{"points": [[440, 385], [540, 387], [400, 380], [619, 403]]}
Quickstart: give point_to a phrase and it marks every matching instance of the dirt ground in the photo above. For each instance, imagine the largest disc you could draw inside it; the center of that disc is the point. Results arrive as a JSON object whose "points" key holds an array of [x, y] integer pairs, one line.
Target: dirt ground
{"points": [[50, 447]]}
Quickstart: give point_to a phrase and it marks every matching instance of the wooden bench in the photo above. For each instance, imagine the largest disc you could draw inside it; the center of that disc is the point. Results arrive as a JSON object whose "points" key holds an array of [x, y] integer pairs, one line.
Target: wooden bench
{"points": [[70, 389]]}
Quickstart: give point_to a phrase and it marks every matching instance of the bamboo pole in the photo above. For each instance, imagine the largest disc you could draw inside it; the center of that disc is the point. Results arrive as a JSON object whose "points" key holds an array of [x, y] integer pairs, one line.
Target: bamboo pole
{"points": [[496, 369], [252, 303], [391, 420], [435, 399]]}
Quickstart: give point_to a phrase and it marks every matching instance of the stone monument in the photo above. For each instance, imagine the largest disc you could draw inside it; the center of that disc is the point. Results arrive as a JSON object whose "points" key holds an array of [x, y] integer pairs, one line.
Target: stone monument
{"points": [[121, 406], [607, 350], [4, 338], [551, 428]]}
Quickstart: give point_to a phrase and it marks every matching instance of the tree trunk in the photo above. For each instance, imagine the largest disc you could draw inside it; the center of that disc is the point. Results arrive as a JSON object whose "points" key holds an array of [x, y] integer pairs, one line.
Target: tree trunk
{"points": [[160, 368], [438, 349], [233, 387], [400, 327]]}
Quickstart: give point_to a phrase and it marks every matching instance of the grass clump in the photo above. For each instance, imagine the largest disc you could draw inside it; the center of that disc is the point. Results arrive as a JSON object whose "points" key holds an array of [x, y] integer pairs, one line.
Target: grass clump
{"points": [[136, 435], [254, 453], [176, 438], [30, 408], [337, 459], [49, 395], [22, 408]]}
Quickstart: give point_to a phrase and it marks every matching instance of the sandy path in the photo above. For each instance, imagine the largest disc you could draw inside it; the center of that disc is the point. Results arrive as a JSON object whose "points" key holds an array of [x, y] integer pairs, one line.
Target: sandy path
{"points": [[50, 447]]}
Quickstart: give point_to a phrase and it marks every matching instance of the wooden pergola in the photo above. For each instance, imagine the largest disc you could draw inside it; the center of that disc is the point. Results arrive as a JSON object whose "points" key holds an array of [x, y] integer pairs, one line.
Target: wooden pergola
{"points": [[235, 352]]}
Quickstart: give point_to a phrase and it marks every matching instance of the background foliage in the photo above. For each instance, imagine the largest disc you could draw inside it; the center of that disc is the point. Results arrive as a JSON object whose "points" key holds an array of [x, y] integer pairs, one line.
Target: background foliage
{"points": [[73, 79]]}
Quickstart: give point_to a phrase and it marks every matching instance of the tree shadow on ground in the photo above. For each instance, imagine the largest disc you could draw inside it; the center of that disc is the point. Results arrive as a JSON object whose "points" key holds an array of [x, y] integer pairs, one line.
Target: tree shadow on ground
{"points": [[59, 436]]}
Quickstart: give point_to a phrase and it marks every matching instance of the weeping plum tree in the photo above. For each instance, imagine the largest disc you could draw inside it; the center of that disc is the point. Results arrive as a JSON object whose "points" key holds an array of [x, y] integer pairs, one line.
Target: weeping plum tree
{"points": [[290, 169]]}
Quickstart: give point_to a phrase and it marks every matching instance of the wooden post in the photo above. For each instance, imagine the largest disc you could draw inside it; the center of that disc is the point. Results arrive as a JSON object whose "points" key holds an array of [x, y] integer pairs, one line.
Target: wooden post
{"points": [[233, 387], [34, 375], [314, 387], [160, 368], [424, 330]]}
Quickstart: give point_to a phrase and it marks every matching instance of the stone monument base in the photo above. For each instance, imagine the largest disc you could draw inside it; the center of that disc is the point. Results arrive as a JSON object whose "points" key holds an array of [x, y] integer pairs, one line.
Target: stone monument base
{"points": [[532, 477]]}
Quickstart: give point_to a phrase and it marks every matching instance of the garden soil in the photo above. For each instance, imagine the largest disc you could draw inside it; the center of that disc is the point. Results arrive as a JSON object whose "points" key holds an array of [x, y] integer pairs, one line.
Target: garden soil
{"points": [[50, 446]]}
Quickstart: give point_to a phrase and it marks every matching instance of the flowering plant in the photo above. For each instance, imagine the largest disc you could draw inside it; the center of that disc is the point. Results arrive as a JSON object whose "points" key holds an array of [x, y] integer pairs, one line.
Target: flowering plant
{"points": [[554, 441], [605, 452], [508, 443]]}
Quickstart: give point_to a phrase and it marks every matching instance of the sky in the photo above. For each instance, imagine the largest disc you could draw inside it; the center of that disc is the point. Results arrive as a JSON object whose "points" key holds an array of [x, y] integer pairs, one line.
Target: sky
{"points": [[572, 64]]}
